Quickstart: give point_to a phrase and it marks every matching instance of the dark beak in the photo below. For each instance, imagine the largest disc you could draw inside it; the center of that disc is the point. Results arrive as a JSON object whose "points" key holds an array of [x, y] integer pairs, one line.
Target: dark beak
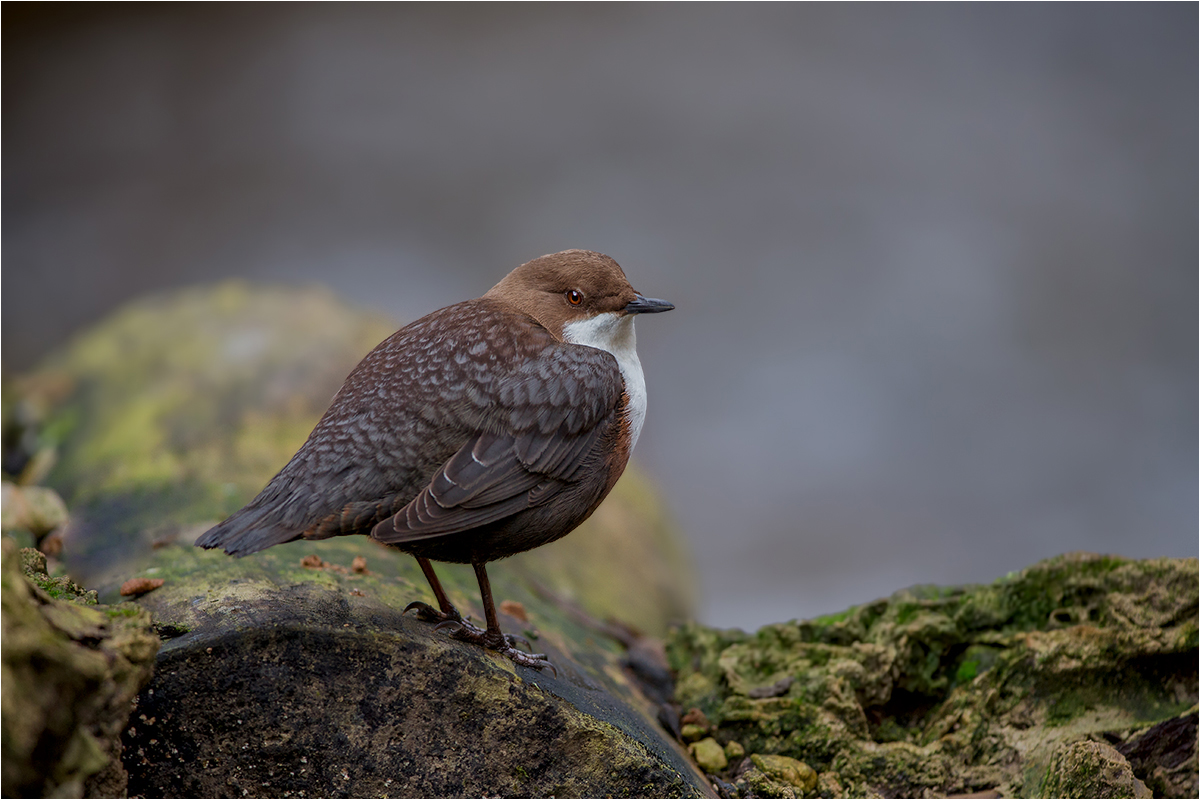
{"points": [[646, 305]]}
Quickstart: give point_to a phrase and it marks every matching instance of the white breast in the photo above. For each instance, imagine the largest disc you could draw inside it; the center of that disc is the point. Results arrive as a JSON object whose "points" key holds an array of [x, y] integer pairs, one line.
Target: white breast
{"points": [[614, 332]]}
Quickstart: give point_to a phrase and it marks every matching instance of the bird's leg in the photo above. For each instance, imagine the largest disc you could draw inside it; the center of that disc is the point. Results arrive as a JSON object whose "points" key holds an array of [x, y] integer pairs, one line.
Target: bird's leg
{"points": [[494, 638], [489, 611], [446, 612], [447, 615]]}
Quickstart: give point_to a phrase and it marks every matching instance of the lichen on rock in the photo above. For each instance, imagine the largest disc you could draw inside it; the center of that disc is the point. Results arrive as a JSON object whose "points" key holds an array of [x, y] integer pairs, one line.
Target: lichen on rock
{"points": [[1088, 768], [963, 689], [71, 670], [709, 755]]}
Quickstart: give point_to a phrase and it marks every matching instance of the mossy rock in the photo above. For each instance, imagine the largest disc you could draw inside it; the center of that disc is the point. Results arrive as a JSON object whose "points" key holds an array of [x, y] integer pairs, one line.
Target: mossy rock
{"points": [[279, 678], [71, 669], [970, 688]]}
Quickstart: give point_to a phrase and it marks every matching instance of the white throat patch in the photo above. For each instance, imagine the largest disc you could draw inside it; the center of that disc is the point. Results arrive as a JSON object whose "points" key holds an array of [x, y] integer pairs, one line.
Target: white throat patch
{"points": [[613, 332]]}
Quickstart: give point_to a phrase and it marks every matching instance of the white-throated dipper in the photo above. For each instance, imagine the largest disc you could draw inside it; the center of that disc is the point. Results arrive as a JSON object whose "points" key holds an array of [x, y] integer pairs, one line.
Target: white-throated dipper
{"points": [[482, 430]]}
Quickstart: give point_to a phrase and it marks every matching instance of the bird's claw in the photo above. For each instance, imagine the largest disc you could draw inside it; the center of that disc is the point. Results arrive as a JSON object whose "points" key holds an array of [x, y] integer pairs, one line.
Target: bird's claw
{"points": [[503, 643], [427, 613], [513, 639], [538, 661]]}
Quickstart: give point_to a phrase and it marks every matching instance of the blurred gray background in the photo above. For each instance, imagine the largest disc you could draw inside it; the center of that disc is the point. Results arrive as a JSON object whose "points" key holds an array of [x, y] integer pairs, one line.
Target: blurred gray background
{"points": [[935, 266]]}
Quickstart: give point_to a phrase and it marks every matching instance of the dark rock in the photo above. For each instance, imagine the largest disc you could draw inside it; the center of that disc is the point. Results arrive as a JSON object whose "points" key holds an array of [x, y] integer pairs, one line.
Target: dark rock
{"points": [[280, 691], [1164, 755]]}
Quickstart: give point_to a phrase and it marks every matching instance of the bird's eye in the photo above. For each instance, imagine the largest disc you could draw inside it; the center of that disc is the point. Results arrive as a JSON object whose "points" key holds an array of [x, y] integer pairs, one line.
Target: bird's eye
{"points": [[574, 297]]}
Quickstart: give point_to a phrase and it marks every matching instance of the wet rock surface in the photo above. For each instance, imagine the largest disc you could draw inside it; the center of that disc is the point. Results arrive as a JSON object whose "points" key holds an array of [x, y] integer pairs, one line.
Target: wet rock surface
{"points": [[1075, 677], [279, 688]]}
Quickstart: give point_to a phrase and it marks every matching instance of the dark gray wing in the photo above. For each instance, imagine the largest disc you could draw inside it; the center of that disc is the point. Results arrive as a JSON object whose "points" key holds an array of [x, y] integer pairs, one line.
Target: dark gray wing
{"points": [[434, 389], [549, 418]]}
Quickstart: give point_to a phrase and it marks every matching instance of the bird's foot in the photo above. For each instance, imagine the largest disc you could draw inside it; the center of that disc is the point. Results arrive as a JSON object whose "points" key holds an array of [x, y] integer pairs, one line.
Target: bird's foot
{"points": [[503, 643], [427, 613], [444, 619], [538, 661]]}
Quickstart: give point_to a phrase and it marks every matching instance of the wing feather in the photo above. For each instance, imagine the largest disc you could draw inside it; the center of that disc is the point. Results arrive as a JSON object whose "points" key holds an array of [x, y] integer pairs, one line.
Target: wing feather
{"points": [[559, 408]]}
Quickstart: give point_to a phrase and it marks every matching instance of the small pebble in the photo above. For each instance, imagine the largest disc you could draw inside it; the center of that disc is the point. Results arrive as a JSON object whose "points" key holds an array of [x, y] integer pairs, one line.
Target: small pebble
{"points": [[709, 755]]}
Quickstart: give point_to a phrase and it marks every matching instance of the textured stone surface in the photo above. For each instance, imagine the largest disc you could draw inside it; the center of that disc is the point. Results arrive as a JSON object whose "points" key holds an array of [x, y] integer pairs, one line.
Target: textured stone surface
{"points": [[965, 689], [1088, 768], [286, 689], [783, 769], [71, 670]]}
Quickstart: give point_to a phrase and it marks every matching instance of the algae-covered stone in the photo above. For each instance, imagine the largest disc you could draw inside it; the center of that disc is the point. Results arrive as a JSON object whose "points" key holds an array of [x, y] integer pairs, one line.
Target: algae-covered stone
{"points": [[58, 587], [70, 672], [829, 785], [324, 686], [788, 770], [753, 782], [278, 688], [709, 755], [965, 689], [1090, 769]]}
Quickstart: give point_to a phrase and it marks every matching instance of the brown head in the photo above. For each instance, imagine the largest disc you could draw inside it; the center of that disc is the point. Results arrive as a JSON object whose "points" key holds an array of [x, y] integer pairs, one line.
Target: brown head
{"points": [[578, 295]]}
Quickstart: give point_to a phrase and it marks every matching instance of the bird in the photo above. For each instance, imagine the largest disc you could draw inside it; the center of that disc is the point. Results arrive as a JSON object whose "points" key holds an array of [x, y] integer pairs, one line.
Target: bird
{"points": [[479, 431]]}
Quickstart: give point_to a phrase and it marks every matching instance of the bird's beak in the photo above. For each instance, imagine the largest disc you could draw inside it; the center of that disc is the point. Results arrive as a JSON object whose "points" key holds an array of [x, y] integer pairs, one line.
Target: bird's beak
{"points": [[646, 305]]}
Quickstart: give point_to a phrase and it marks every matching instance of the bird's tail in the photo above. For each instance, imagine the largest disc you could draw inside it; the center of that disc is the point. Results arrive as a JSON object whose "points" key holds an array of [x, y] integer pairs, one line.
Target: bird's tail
{"points": [[252, 529]]}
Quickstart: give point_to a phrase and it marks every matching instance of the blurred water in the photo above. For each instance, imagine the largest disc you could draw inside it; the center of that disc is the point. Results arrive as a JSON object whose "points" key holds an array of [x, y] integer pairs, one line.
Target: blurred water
{"points": [[935, 266]]}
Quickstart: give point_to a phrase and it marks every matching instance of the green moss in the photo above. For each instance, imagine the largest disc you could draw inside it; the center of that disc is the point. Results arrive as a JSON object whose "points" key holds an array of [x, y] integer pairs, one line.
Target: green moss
{"points": [[906, 613], [1127, 690], [71, 671], [1090, 769], [62, 588], [123, 611], [826, 620], [959, 689]]}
